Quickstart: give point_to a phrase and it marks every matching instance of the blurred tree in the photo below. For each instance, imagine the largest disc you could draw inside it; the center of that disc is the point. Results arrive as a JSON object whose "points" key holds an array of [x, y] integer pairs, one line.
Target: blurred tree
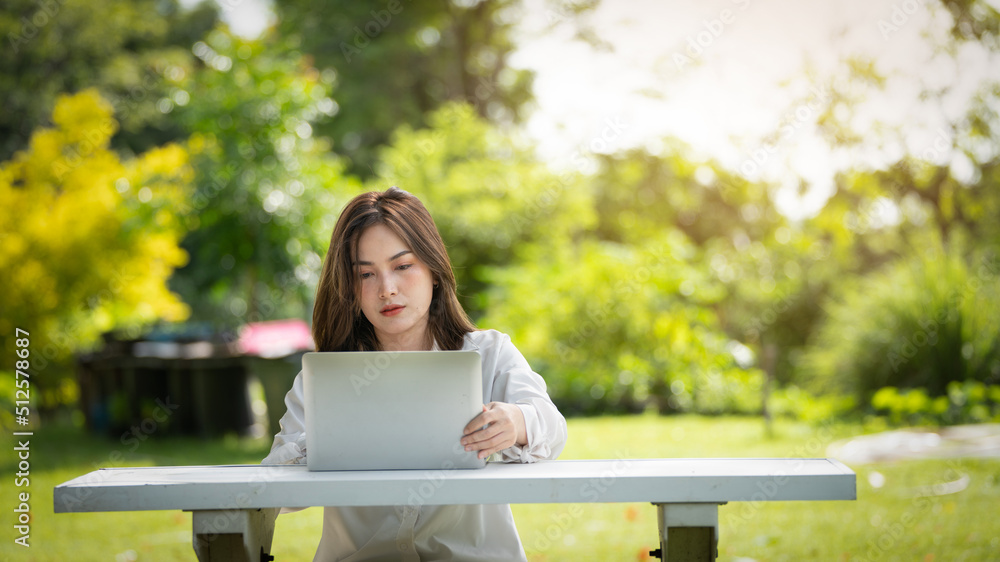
{"points": [[89, 240], [744, 246], [396, 61], [267, 189], [486, 190], [638, 192], [922, 322], [622, 327], [910, 237], [920, 312], [120, 47], [975, 20], [948, 182]]}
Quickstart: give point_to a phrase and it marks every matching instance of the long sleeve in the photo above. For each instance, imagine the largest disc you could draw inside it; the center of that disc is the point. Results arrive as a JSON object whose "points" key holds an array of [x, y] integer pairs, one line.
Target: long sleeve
{"points": [[514, 382], [289, 446]]}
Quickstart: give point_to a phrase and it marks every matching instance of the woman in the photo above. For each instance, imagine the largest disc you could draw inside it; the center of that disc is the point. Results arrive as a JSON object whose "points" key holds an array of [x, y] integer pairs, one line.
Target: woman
{"points": [[387, 284]]}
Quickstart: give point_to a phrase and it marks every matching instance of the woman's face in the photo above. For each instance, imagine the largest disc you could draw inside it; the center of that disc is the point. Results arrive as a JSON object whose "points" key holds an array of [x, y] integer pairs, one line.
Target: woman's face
{"points": [[396, 290]]}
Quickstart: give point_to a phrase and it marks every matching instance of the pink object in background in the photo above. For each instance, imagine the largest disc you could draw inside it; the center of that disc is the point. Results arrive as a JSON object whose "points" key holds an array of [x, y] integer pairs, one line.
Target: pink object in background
{"points": [[276, 338]]}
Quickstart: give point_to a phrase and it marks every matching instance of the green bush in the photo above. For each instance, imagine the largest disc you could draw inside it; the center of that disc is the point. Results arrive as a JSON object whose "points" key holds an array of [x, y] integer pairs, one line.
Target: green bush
{"points": [[919, 323], [965, 402], [728, 391], [795, 403], [612, 330]]}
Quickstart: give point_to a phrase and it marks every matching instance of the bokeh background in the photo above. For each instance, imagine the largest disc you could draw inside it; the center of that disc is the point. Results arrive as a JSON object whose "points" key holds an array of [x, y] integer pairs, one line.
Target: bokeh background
{"points": [[746, 209]]}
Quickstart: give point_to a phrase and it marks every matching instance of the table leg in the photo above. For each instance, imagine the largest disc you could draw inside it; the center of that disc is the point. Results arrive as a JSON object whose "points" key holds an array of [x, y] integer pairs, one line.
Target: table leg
{"points": [[689, 532], [232, 535]]}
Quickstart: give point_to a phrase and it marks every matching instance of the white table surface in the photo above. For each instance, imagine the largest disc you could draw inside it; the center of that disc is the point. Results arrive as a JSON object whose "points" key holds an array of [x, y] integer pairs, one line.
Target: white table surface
{"points": [[573, 481]]}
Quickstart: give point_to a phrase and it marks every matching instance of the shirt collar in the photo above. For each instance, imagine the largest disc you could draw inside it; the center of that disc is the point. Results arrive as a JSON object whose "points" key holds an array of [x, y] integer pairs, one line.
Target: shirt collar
{"points": [[467, 344]]}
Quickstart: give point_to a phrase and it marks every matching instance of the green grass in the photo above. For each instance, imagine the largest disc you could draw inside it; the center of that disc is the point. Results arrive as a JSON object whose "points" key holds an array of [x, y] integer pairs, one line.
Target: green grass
{"points": [[886, 523]]}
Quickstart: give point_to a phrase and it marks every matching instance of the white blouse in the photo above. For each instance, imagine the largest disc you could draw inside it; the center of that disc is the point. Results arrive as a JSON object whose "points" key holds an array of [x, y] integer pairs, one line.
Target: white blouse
{"points": [[437, 532]]}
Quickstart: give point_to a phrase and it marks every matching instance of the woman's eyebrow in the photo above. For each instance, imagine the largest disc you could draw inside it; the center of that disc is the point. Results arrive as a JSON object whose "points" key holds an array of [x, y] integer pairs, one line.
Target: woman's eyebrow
{"points": [[393, 258]]}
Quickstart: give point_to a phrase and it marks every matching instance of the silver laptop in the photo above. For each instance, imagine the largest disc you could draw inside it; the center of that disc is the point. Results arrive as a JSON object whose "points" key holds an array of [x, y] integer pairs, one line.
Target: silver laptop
{"points": [[390, 410]]}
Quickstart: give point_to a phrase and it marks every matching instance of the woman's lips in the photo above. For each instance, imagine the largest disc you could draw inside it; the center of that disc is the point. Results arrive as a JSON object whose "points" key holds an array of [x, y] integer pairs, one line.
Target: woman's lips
{"points": [[392, 310]]}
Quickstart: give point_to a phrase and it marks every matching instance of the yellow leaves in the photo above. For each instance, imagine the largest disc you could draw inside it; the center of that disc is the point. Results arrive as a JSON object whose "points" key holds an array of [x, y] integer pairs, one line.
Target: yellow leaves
{"points": [[164, 161], [46, 148], [90, 241], [663, 327], [85, 116], [453, 114], [203, 143], [174, 310], [162, 175], [164, 251], [197, 143]]}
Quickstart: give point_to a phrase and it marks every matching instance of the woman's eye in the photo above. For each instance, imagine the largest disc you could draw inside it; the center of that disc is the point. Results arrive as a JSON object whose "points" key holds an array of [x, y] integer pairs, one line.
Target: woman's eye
{"points": [[366, 275], [405, 266]]}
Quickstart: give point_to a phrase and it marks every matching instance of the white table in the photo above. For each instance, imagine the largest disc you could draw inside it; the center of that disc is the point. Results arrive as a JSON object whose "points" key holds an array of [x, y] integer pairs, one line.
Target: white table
{"points": [[235, 506]]}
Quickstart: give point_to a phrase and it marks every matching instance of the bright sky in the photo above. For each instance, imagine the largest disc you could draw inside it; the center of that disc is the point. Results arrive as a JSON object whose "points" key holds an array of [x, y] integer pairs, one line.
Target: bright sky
{"points": [[745, 80], [723, 74]]}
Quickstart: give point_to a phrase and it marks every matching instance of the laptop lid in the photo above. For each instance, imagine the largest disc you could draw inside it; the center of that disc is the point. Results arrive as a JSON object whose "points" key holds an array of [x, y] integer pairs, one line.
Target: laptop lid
{"points": [[390, 410]]}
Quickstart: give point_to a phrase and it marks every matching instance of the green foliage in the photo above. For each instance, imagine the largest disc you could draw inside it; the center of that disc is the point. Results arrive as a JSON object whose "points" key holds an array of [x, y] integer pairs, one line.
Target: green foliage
{"points": [[965, 402], [922, 322], [974, 20], [120, 47], [881, 228], [267, 188], [638, 192], [772, 284], [621, 328], [398, 61], [798, 404], [767, 270], [89, 239]]}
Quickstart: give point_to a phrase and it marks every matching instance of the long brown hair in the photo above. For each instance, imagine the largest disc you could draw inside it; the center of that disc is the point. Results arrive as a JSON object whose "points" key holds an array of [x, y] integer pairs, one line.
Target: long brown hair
{"points": [[338, 322]]}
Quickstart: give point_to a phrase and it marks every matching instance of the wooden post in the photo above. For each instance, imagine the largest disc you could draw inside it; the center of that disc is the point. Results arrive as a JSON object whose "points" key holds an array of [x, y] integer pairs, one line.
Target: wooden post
{"points": [[235, 535], [689, 532]]}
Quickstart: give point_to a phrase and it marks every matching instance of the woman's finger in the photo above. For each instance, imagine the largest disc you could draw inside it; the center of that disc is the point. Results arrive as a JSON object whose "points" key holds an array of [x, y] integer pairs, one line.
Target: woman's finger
{"points": [[499, 433], [478, 437], [477, 422]]}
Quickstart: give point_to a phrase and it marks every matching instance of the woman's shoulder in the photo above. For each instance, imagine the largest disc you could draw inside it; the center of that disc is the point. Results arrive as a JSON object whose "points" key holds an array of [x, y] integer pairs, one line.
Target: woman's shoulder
{"points": [[496, 350], [483, 340]]}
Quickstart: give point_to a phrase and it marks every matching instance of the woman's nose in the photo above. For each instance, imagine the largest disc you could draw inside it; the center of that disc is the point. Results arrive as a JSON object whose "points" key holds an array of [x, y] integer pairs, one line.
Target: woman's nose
{"points": [[387, 288]]}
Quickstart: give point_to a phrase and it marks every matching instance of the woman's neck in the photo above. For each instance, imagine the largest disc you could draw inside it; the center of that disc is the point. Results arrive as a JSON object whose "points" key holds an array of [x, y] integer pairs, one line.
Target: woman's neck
{"points": [[408, 342]]}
